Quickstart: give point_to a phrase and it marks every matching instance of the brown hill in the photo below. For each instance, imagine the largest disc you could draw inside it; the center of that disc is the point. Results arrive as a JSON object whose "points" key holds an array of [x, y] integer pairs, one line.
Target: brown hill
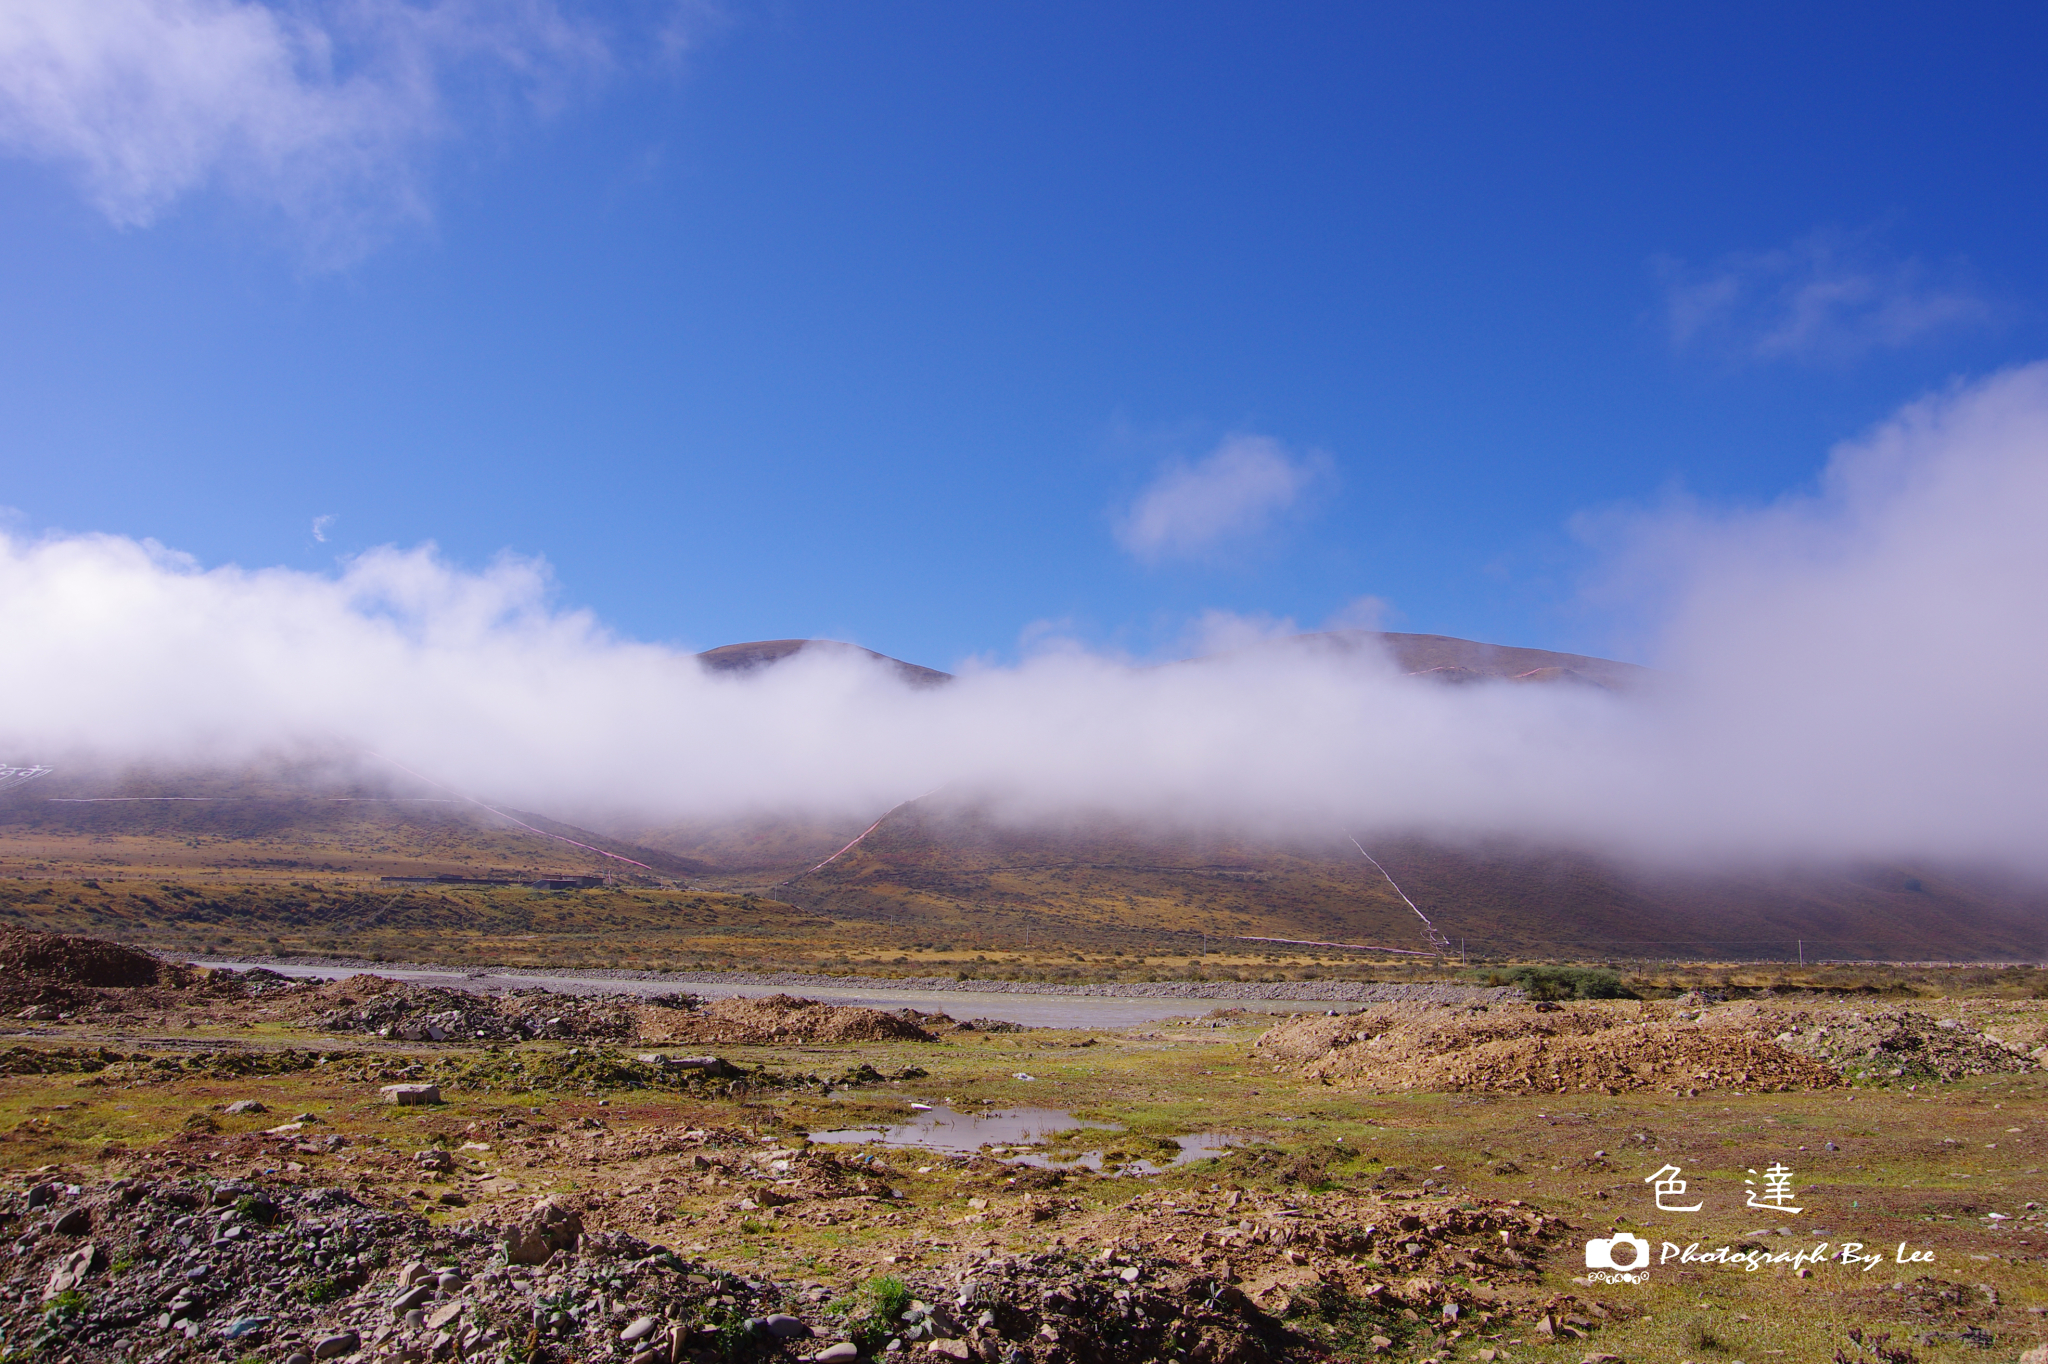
{"points": [[282, 819], [742, 658], [937, 869], [1445, 658], [1442, 657]]}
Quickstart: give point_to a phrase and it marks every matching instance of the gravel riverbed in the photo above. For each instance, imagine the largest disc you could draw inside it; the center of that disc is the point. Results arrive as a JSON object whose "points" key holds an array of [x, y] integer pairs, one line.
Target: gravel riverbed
{"points": [[571, 982]]}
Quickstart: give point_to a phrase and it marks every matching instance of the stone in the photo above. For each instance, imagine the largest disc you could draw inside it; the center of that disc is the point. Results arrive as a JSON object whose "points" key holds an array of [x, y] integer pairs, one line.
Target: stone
{"points": [[74, 1222], [450, 1280], [410, 1094], [441, 1316], [548, 1228], [42, 1195], [2037, 1355], [710, 1065], [240, 1106], [335, 1346], [434, 1158], [842, 1353], [640, 1328], [72, 1270], [949, 1349], [415, 1273], [785, 1327], [411, 1298], [301, 1357]]}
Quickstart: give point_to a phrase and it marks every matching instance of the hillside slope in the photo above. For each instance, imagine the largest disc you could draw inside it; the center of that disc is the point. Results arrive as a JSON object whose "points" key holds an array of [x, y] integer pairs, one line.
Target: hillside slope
{"points": [[281, 820], [951, 871]]}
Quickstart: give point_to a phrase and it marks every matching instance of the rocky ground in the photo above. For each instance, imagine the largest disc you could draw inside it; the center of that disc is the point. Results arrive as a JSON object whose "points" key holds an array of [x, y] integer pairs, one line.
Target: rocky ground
{"points": [[1685, 1046], [166, 1264], [637, 1181]]}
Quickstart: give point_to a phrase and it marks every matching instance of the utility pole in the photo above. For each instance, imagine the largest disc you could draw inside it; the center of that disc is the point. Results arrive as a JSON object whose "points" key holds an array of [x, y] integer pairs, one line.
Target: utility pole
{"points": [[1802, 952]]}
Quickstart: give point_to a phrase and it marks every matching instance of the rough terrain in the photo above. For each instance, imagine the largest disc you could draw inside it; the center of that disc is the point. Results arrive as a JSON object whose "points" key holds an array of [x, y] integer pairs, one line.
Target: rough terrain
{"points": [[245, 1189], [1609, 1047]]}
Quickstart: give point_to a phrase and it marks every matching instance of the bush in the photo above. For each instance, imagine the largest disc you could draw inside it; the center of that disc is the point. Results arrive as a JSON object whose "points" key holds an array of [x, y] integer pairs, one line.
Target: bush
{"points": [[1564, 982], [875, 1314]]}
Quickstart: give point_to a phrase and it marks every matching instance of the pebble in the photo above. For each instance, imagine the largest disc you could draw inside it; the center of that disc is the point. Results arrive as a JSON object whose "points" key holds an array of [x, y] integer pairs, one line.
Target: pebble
{"points": [[842, 1353], [785, 1327], [641, 1327], [76, 1222], [335, 1346]]}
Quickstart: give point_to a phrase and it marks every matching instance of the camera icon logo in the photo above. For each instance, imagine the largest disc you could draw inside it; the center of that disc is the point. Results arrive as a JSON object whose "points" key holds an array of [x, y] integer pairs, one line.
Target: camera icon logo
{"points": [[1633, 1252]]}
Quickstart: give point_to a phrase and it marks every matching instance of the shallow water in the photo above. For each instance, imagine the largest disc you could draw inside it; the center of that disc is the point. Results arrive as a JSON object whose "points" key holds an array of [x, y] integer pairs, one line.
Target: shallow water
{"points": [[1011, 1132]]}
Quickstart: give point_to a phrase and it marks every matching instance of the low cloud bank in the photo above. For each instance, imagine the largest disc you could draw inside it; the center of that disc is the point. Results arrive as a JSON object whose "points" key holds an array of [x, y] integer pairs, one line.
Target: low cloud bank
{"points": [[1853, 672]]}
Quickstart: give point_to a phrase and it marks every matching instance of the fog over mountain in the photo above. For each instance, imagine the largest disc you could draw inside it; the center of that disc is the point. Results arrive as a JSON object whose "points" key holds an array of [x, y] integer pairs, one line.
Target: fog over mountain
{"points": [[1849, 672]]}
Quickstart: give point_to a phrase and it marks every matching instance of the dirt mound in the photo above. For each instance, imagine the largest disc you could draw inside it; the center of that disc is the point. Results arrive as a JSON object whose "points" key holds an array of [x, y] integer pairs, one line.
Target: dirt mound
{"points": [[785, 1018], [66, 959], [1883, 1042], [424, 1013], [1536, 1049]]}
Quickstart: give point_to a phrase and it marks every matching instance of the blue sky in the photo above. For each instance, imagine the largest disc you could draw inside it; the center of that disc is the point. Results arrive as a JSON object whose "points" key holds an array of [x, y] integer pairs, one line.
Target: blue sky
{"points": [[945, 327]]}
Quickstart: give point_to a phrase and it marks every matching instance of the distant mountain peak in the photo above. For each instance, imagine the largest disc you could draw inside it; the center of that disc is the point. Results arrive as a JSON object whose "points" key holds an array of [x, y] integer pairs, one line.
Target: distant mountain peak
{"points": [[765, 653], [1440, 658]]}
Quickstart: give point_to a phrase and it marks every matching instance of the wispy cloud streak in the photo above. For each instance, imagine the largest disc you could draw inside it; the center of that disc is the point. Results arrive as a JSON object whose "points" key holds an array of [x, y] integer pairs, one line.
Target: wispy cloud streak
{"points": [[1830, 298], [325, 113]]}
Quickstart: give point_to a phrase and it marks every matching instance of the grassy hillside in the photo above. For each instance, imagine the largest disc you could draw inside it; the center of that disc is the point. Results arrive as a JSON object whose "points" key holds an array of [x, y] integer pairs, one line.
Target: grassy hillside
{"points": [[618, 926], [954, 872]]}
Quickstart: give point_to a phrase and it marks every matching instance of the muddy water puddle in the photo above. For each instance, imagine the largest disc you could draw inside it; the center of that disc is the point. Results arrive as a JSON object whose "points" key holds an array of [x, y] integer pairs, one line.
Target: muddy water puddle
{"points": [[1013, 1135]]}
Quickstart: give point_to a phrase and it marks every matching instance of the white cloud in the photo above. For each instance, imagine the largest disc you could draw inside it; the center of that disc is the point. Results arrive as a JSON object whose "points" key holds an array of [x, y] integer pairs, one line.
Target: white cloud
{"points": [[1233, 494], [320, 525], [1830, 298], [324, 112], [1852, 673]]}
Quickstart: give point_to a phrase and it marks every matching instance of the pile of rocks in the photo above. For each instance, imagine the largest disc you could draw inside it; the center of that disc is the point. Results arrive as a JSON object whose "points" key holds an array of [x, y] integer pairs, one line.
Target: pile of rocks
{"points": [[1516, 1048], [1113, 1308], [165, 1269], [416, 1013], [1883, 1043], [49, 976], [771, 1019]]}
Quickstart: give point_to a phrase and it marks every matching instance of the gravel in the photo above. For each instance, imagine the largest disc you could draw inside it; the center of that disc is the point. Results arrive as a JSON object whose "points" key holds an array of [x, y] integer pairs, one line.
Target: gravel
{"points": [[1311, 991]]}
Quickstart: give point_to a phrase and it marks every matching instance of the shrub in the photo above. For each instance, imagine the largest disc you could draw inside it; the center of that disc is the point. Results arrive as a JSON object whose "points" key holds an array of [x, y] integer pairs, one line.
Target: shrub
{"points": [[1564, 982], [875, 1313]]}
